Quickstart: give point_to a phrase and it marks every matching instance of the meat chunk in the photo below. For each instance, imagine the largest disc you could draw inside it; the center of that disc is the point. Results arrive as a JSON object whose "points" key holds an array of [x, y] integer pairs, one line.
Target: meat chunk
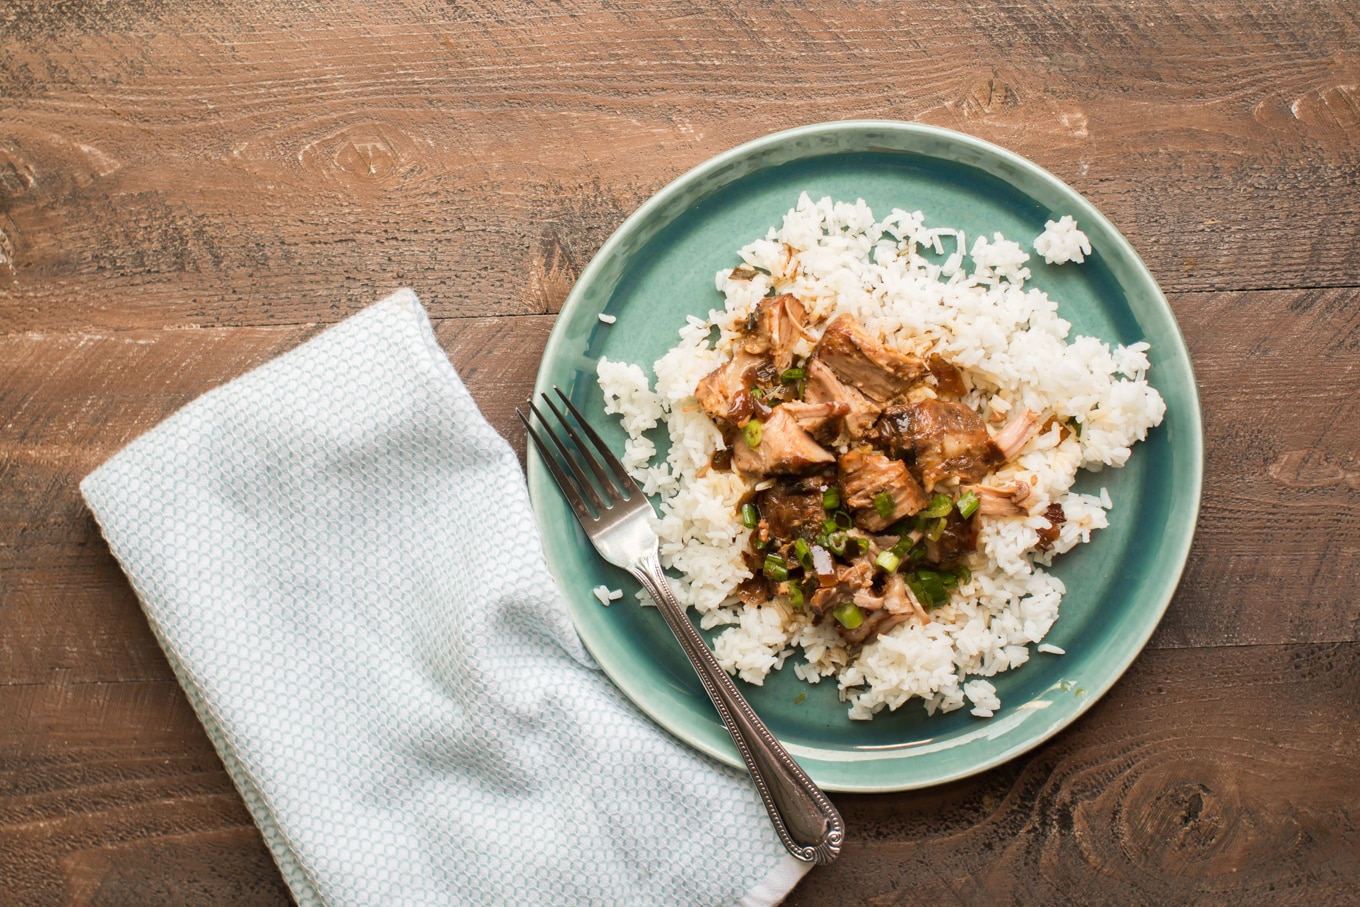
{"points": [[943, 439], [858, 573], [865, 364], [874, 623], [813, 417], [774, 327], [756, 589], [859, 412], [1048, 535], [959, 538], [1017, 433], [865, 475], [899, 599], [1006, 501], [828, 598], [783, 449], [947, 376], [791, 509], [725, 393]]}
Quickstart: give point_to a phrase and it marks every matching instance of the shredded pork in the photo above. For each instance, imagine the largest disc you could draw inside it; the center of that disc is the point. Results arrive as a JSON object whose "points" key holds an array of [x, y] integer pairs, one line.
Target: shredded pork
{"points": [[875, 471]]}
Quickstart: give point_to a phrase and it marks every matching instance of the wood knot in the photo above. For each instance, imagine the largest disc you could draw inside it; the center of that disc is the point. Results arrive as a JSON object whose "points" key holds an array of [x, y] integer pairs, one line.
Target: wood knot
{"points": [[1191, 815], [1193, 819], [988, 96], [552, 273], [8, 252], [1335, 107], [1310, 468], [16, 173], [362, 154]]}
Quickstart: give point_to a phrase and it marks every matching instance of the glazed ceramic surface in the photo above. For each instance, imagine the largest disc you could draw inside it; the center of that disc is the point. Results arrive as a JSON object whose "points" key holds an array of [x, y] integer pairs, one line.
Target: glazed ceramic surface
{"points": [[659, 267]]}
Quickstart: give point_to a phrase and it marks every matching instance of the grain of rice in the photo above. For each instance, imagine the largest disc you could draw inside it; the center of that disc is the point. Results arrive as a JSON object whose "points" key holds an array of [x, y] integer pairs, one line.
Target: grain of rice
{"points": [[607, 595]]}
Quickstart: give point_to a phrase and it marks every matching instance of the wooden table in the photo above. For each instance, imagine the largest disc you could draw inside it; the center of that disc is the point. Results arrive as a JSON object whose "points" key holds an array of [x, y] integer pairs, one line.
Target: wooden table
{"points": [[187, 193]]}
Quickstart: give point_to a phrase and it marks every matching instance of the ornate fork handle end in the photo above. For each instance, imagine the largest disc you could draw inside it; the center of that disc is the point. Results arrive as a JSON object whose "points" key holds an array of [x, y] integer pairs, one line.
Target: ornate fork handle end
{"points": [[808, 823]]}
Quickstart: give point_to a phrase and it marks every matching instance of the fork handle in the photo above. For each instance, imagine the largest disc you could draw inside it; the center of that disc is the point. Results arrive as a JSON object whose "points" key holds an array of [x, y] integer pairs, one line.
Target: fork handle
{"points": [[808, 823]]}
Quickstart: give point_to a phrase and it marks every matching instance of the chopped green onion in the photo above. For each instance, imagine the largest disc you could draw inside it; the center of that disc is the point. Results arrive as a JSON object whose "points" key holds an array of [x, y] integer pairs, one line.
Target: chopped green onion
{"points": [[914, 585], [775, 568], [842, 520], [1075, 426], [831, 498], [835, 541], [885, 504], [758, 393], [936, 529], [904, 544], [887, 562], [939, 506], [795, 595], [849, 615], [967, 503], [750, 517], [802, 552], [752, 431], [758, 544], [928, 586], [917, 552], [963, 573], [790, 375]]}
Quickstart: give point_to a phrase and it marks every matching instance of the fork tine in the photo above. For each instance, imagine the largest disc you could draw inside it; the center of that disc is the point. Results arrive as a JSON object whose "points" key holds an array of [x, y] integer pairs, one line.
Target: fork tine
{"points": [[582, 480], [610, 489], [564, 481], [625, 480]]}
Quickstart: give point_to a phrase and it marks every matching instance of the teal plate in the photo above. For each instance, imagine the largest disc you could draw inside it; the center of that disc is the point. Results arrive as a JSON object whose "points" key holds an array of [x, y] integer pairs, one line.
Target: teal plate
{"points": [[659, 267]]}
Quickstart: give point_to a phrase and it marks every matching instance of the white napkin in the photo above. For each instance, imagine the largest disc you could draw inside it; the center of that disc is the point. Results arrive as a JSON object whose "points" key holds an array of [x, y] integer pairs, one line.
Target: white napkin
{"points": [[337, 554]]}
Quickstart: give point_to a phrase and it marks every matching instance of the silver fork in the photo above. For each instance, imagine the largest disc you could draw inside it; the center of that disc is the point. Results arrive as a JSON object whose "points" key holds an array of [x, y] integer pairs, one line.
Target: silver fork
{"points": [[614, 513]]}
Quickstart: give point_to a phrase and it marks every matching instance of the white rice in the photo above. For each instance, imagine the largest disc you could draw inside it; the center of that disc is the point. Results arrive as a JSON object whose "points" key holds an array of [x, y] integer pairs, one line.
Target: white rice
{"points": [[606, 594], [1062, 242], [1015, 351]]}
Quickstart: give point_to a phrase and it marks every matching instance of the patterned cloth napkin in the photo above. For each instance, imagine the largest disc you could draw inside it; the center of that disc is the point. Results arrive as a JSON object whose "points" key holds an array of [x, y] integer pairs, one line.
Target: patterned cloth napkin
{"points": [[337, 554]]}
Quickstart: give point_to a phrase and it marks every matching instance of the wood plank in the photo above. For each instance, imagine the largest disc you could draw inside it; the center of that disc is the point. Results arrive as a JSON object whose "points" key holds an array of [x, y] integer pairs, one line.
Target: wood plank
{"points": [[101, 783], [1278, 541], [1206, 775], [205, 167]]}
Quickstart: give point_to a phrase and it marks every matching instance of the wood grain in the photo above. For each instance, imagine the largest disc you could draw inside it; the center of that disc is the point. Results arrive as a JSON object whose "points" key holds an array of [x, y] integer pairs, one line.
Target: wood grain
{"points": [[1169, 791], [111, 793], [187, 191], [1276, 546], [171, 168]]}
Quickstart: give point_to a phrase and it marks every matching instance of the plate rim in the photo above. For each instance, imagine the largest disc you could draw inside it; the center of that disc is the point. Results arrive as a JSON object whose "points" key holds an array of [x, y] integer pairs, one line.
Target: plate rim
{"points": [[540, 483]]}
